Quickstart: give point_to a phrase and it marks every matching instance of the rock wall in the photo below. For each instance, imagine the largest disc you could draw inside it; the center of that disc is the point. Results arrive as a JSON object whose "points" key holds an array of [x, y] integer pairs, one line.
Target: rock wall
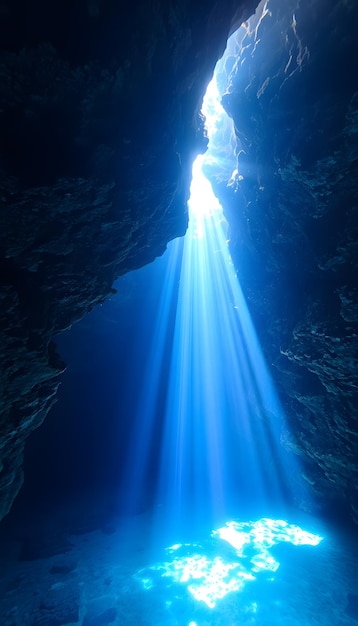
{"points": [[99, 127], [292, 207]]}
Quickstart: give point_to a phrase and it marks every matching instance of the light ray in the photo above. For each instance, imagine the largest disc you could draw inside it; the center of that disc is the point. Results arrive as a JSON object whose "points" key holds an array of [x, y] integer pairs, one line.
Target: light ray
{"points": [[140, 449], [221, 431], [217, 431], [219, 453], [221, 400]]}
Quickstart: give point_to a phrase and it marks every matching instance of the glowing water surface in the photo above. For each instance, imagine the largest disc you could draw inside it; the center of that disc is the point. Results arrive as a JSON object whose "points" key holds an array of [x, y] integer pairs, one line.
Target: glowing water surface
{"points": [[209, 576]]}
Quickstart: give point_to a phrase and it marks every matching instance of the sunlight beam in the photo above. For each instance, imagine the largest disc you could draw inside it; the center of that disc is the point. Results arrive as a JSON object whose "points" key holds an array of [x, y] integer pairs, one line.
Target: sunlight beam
{"points": [[221, 432], [219, 422]]}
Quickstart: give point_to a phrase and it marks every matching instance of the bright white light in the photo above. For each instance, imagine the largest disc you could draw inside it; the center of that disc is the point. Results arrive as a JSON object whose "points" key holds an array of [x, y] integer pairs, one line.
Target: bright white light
{"points": [[210, 579], [236, 539], [212, 108], [262, 535], [221, 134], [202, 202]]}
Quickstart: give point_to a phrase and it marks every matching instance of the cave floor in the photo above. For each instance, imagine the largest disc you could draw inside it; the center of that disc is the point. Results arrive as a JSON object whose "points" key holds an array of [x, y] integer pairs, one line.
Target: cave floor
{"points": [[95, 569]]}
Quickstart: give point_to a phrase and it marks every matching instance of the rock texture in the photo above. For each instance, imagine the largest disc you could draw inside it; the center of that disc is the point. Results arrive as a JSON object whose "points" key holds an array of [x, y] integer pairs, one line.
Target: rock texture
{"points": [[99, 127], [292, 208]]}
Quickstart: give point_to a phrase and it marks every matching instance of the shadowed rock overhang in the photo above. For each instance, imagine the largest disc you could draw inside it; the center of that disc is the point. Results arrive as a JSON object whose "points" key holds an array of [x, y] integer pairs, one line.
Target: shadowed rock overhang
{"points": [[99, 127]]}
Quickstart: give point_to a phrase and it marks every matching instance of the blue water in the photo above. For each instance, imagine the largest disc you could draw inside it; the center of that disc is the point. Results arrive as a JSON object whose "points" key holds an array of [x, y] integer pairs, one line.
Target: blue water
{"points": [[158, 492], [111, 531], [81, 566]]}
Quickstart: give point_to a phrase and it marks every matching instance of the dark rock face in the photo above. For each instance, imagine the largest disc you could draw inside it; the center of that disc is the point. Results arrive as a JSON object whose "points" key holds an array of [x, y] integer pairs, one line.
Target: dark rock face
{"points": [[99, 127], [293, 214]]}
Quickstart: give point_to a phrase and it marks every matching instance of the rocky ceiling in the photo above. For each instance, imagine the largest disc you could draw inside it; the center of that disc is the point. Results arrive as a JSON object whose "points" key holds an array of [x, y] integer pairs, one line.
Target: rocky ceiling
{"points": [[100, 125]]}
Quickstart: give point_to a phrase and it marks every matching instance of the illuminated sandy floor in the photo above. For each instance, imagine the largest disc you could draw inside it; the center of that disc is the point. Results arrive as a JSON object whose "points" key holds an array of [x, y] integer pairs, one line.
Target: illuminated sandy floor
{"points": [[98, 571]]}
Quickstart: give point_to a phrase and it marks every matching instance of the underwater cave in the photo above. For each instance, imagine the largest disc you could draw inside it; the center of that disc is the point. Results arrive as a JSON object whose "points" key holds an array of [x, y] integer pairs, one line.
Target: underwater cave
{"points": [[179, 427]]}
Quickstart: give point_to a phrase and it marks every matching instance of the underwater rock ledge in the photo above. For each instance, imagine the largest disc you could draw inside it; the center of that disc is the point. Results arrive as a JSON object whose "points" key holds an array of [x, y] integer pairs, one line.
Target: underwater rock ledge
{"points": [[99, 128], [294, 228]]}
